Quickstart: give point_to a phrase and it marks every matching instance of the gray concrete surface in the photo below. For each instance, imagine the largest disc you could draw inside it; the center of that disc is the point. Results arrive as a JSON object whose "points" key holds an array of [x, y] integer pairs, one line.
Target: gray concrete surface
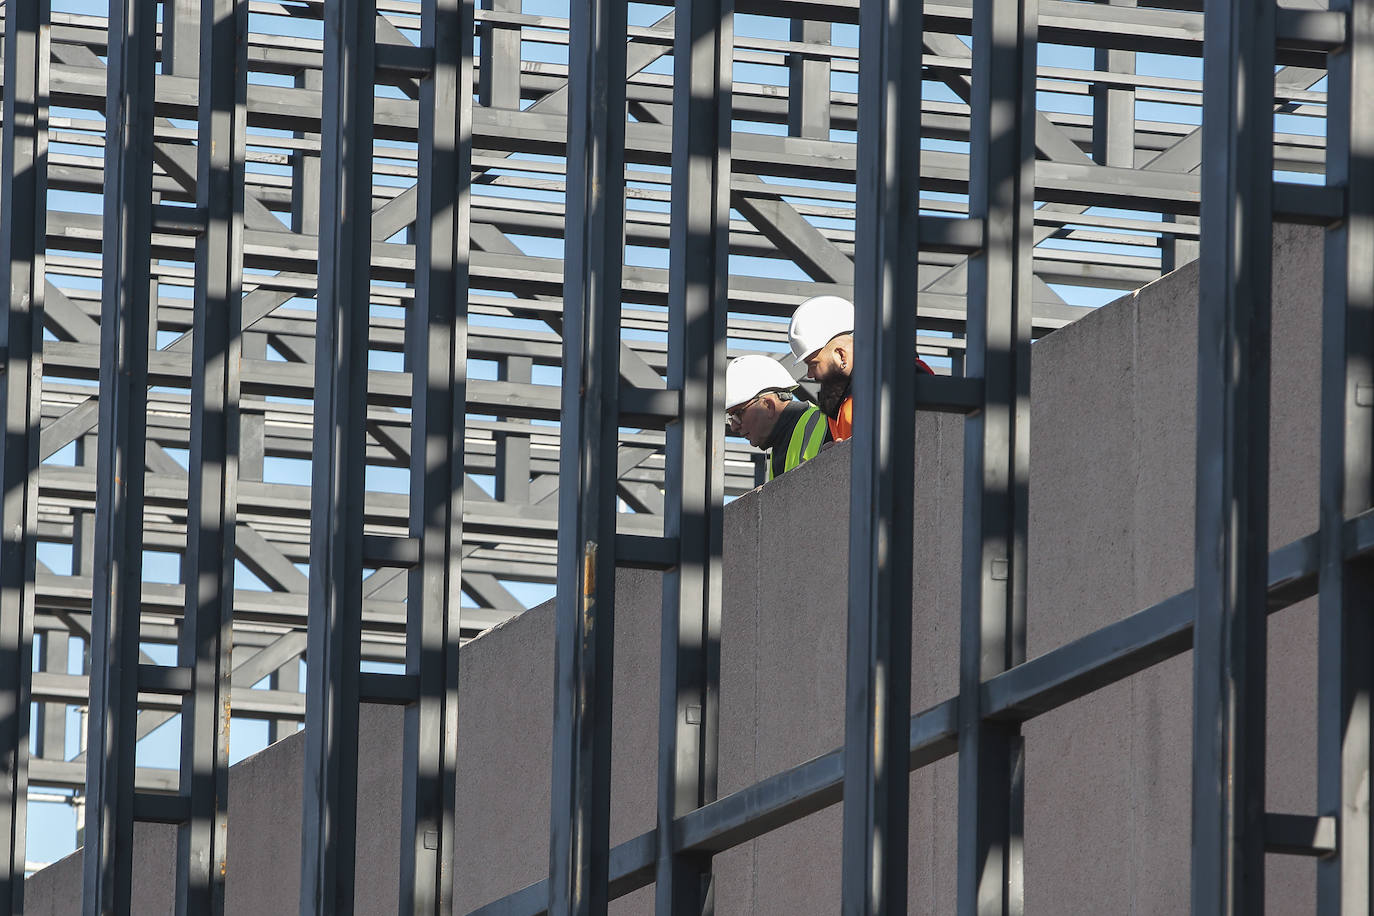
{"points": [[1113, 424], [1107, 781]]}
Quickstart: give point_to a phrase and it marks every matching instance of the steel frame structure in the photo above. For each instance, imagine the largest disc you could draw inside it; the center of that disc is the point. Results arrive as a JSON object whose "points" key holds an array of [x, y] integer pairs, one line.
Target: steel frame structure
{"points": [[364, 204]]}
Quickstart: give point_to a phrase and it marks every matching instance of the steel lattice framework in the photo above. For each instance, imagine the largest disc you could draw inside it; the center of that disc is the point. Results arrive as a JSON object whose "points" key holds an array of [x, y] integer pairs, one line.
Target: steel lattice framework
{"points": [[415, 244]]}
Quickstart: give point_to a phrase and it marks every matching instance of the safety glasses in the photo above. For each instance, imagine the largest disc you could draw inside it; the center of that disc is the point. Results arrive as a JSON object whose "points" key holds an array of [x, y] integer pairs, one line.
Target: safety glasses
{"points": [[733, 414]]}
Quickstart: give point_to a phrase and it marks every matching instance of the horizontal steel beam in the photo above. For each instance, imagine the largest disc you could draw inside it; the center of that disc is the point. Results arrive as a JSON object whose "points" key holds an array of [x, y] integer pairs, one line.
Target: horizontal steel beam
{"points": [[73, 690]]}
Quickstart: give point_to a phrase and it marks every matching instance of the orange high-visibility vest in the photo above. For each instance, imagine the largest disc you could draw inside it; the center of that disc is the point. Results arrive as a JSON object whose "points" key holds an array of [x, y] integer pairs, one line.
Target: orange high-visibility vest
{"points": [[842, 426]]}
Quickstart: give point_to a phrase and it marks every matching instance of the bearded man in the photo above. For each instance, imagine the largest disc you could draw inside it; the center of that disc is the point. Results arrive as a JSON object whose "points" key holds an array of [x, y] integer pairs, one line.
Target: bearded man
{"points": [[822, 338]]}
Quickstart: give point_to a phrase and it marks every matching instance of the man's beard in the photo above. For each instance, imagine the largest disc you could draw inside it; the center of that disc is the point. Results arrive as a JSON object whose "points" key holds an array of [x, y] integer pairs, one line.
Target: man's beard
{"points": [[834, 389]]}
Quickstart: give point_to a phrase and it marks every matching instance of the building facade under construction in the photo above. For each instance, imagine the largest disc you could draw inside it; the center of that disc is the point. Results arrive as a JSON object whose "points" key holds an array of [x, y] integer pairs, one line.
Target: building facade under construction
{"points": [[362, 385]]}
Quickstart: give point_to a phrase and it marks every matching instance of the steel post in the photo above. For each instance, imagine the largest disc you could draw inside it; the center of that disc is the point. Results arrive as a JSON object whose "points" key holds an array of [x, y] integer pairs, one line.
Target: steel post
{"points": [[437, 336], [808, 83], [1232, 514], [512, 447], [689, 673], [125, 334], [23, 235], [181, 37], [500, 73], [1345, 679], [50, 728], [216, 358], [588, 426], [996, 449], [1114, 140], [882, 487], [329, 823]]}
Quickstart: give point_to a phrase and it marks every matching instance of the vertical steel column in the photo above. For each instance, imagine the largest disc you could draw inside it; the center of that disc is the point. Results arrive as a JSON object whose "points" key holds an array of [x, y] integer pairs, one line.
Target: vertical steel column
{"points": [[882, 488], [116, 597], [694, 476], [50, 728], [1114, 107], [1232, 549], [1345, 685], [500, 75], [438, 336], [181, 29], [996, 449], [513, 448], [334, 646], [216, 355], [252, 453], [580, 809], [1176, 251], [83, 531], [23, 240], [808, 83], [305, 170]]}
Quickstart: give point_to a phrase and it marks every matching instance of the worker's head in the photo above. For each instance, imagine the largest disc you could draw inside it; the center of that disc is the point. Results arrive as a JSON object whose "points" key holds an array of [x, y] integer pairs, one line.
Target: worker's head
{"points": [[833, 362], [822, 337], [832, 366], [757, 389]]}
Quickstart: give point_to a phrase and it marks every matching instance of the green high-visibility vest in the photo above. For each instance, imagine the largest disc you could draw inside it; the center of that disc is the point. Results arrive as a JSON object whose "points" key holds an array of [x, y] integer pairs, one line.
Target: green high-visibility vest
{"points": [[803, 443]]}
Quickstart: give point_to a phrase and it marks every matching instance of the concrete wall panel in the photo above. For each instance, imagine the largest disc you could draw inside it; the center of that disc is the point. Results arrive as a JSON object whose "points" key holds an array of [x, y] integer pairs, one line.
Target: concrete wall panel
{"points": [[505, 726], [738, 757], [1127, 375]]}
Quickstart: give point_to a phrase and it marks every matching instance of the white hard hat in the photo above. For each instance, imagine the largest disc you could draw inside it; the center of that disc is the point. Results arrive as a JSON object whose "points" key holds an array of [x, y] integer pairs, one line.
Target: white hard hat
{"points": [[749, 376], [816, 321]]}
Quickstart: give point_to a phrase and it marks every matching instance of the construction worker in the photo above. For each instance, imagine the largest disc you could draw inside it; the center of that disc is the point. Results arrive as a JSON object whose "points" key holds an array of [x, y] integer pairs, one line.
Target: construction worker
{"points": [[822, 338], [759, 406]]}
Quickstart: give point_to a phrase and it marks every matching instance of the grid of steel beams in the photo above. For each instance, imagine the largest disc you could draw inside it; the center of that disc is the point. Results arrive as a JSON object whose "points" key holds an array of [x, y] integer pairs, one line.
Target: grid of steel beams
{"points": [[393, 289]]}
